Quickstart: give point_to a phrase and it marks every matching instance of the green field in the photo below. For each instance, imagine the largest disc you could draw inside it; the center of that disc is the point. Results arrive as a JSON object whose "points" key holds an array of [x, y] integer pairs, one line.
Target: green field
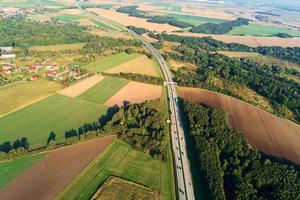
{"points": [[110, 62], [68, 17], [52, 3], [23, 4], [10, 170], [101, 92], [195, 20], [105, 26], [58, 47], [18, 94], [175, 8], [56, 113], [120, 160], [261, 30]]}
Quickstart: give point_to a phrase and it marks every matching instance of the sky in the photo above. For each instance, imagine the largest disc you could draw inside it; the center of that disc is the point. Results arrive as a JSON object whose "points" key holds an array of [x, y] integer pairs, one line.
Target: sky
{"points": [[282, 3]]}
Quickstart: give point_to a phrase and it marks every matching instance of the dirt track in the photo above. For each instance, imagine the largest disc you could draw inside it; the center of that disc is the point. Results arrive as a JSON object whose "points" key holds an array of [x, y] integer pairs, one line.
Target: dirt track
{"points": [[50, 175], [263, 130]]}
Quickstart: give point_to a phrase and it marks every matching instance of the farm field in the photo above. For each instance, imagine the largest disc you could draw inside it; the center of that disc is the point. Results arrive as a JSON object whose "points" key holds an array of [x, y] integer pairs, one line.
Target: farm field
{"points": [[98, 23], [102, 91], [50, 175], [250, 40], [58, 47], [261, 30], [11, 169], [80, 87], [119, 189], [120, 160], [110, 62], [135, 92], [20, 94], [68, 17], [139, 65], [56, 113], [126, 20], [21, 4], [263, 130]]}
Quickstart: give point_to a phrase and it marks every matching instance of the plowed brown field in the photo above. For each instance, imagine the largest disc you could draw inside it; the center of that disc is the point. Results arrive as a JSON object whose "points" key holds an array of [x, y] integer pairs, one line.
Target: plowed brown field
{"points": [[50, 175], [263, 130]]}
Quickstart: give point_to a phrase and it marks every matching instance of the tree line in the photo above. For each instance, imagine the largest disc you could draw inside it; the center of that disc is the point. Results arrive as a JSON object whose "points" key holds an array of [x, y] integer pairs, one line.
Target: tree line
{"points": [[231, 168], [138, 77], [10, 150]]}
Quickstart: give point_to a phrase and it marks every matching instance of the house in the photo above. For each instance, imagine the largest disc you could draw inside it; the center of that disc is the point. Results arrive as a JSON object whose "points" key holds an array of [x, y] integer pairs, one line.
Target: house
{"points": [[6, 67], [32, 69], [17, 69], [50, 73], [35, 77]]}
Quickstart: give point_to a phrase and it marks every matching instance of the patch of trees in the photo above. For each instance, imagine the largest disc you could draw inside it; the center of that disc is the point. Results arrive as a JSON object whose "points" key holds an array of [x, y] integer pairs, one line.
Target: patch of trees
{"points": [[3, 81], [138, 77], [232, 169], [290, 54], [133, 11], [219, 29], [138, 30], [10, 151], [282, 35], [18, 31], [140, 125]]}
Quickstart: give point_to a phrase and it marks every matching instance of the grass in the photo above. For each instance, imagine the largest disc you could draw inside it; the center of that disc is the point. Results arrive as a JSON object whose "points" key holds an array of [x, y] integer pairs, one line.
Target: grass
{"points": [[195, 20], [110, 62], [10, 170], [105, 89], [105, 26], [52, 3], [20, 94], [120, 160], [175, 8], [68, 17], [261, 30], [58, 47], [56, 113], [25, 4]]}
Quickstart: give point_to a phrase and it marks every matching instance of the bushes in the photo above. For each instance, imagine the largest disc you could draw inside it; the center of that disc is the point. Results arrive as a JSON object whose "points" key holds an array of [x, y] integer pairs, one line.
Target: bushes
{"points": [[138, 77], [138, 30]]}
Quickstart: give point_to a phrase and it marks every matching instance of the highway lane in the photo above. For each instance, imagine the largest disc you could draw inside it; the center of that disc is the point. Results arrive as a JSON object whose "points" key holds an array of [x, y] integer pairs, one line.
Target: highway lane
{"points": [[182, 164]]}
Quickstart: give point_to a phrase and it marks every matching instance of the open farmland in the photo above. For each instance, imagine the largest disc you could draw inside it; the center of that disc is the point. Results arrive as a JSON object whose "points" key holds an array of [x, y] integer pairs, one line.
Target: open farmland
{"points": [[135, 92], [101, 92], [50, 175], [263, 130], [132, 21], [11, 169], [110, 62], [119, 189], [58, 47], [122, 161], [78, 88], [250, 40], [139, 65], [103, 25], [56, 113], [17, 95], [68, 17]]}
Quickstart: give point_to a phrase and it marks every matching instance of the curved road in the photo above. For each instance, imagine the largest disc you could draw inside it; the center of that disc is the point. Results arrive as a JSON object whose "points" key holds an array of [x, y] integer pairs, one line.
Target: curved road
{"points": [[183, 171]]}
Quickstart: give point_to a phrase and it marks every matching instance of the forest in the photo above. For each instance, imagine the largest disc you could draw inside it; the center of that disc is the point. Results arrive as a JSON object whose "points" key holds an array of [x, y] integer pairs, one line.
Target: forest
{"points": [[219, 29], [138, 77], [230, 168], [138, 30]]}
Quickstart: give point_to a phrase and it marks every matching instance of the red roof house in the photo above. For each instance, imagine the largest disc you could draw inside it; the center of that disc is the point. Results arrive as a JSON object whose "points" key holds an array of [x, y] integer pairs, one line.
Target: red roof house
{"points": [[35, 77]]}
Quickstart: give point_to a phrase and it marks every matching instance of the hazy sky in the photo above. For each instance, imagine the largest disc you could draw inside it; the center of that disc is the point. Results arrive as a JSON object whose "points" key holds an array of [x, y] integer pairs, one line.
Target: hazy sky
{"points": [[284, 3]]}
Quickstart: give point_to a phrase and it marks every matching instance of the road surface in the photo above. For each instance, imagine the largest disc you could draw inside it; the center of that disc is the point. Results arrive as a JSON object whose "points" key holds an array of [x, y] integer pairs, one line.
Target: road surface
{"points": [[183, 170]]}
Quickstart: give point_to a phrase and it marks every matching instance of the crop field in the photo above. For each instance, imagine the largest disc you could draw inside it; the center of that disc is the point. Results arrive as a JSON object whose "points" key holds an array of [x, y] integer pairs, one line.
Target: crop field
{"points": [[56, 113], [135, 92], [55, 171], [102, 91], [195, 20], [110, 62], [52, 3], [98, 23], [119, 189], [20, 4], [261, 30], [11, 169], [120, 160], [20, 94], [139, 65], [263, 130], [58, 47], [68, 17]]}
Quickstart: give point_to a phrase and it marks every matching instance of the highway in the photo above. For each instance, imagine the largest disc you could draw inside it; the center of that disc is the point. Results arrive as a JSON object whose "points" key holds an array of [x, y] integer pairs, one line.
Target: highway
{"points": [[182, 165]]}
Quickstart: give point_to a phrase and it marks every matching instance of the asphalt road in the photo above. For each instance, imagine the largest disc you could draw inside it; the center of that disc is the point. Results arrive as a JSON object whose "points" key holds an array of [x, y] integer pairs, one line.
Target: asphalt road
{"points": [[182, 164]]}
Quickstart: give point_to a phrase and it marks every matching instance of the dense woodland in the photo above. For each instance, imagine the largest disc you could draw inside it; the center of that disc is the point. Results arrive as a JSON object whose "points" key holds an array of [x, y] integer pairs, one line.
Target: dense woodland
{"points": [[230, 168], [138, 30], [140, 125], [138, 77], [219, 29]]}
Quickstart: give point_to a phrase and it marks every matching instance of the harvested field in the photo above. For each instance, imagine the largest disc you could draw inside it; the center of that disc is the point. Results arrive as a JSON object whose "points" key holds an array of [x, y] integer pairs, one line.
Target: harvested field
{"points": [[51, 174], [119, 189], [81, 87], [132, 21], [263, 130], [58, 47], [249, 40], [139, 65], [135, 92]]}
